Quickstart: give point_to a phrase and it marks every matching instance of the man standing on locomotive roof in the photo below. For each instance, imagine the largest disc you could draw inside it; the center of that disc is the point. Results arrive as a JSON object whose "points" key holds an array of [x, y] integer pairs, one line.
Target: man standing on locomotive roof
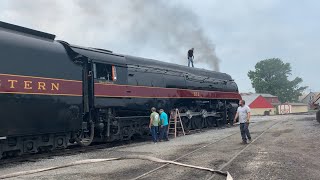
{"points": [[190, 57], [243, 113], [154, 124], [163, 125]]}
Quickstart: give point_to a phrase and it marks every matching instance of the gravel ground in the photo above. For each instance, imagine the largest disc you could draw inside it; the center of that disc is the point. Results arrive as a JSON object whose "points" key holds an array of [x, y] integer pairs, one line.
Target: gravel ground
{"points": [[284, 147]]}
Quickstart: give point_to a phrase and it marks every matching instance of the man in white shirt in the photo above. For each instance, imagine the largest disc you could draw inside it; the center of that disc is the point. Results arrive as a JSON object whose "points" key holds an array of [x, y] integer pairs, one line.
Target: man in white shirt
{"points": [[243, 113]]}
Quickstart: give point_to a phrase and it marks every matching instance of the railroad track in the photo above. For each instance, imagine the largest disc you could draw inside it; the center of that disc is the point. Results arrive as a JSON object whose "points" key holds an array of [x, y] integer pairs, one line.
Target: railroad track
{"points": [[77, 149], [208, 145], [74, 150], [71, 150], [90, 148]]}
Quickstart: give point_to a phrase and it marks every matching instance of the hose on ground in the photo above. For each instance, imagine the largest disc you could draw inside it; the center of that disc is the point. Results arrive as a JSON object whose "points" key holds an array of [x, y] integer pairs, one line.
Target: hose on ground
{"points": [[318, 116], [89, 161]]}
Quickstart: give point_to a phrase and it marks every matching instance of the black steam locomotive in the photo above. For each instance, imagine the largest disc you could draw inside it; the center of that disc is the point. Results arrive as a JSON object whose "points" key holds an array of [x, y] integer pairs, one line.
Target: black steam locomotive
{"points": [[53, 93]]}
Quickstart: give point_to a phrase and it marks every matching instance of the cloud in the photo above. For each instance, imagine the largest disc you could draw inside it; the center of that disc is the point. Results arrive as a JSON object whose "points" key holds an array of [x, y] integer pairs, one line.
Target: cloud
{"points": [[132, 26], [244, 32]]}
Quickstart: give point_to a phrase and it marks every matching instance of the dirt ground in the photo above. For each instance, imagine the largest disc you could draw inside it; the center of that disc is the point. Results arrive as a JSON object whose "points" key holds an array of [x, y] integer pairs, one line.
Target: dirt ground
{"points": [[283, 147]]}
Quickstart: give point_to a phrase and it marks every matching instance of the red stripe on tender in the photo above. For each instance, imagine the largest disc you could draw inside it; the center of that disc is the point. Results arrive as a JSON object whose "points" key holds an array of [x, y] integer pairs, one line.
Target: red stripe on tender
{"points": [[49, 86], [37, 85]]}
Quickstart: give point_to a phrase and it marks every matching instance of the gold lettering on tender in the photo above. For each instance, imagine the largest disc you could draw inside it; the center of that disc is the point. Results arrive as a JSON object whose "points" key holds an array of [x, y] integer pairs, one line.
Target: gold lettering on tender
{"points": [[54, 86], [197, 94], [12, 83], [41, 85], [27, 84]]}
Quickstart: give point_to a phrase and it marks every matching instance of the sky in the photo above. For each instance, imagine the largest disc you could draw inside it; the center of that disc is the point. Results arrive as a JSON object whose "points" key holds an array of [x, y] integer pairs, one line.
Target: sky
{"points": [[229, 36]]}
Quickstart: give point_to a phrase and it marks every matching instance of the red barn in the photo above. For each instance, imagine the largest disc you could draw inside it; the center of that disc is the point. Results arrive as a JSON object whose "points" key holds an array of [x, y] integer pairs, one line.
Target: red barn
{"points": [[258, 104]]}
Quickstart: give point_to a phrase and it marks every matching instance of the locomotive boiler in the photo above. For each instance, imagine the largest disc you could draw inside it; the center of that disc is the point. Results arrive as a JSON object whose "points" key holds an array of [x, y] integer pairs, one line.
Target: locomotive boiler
{"points": [[53, 94]]}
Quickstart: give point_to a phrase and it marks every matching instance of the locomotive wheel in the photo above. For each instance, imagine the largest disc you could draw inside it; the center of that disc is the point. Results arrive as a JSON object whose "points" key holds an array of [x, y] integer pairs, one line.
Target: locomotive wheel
{"points": [[45, 149], [183, 109], [193, 123], [210, 121], [205, 123], [145, 129], [14, 153], [197, 123], [196, 108], [186, 123]]}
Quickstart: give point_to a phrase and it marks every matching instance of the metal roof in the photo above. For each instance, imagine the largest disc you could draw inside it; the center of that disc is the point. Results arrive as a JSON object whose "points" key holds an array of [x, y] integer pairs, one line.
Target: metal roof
{"points": [[262, 94], [267, 95], [306, 95], [249, 98], [296, 104], [302, 97]]}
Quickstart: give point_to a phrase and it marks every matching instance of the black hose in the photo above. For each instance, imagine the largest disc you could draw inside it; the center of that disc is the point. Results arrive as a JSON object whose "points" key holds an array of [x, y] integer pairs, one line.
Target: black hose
{"points": [[87, 143]]}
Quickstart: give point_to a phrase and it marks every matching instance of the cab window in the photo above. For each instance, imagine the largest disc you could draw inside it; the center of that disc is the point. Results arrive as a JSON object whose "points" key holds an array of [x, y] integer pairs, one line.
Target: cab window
{"points": [[104, 72]]}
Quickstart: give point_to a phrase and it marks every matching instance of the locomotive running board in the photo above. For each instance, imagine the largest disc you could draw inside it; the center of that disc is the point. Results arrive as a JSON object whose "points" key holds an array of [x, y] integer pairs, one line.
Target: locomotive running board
{"points": [[3, 138]]}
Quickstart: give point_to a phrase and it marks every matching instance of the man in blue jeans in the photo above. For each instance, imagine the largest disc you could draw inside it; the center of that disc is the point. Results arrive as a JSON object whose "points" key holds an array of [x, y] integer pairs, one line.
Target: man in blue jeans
{"points": [[164, 125], [154, 124], [243, 113]]}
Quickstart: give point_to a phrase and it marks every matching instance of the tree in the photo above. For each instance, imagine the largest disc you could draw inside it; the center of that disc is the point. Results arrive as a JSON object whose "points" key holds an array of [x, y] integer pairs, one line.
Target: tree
{"points": [[271, 76]]}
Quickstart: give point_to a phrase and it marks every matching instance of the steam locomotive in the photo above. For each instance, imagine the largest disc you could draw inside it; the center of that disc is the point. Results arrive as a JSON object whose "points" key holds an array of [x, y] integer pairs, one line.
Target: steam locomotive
{"points": [[53, 94]]}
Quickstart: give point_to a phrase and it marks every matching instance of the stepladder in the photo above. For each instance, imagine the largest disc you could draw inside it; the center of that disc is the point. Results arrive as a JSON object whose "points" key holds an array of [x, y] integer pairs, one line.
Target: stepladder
{"points": [[175, 124]]}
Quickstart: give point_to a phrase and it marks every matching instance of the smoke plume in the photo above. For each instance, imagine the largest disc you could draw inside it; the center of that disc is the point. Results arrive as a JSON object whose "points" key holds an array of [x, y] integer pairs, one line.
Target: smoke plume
{"points": [[157, 29]]}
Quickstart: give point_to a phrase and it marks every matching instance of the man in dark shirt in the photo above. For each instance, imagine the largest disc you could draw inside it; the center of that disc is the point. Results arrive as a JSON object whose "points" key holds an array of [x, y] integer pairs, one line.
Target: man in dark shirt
{"points": [[190, 57]]}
